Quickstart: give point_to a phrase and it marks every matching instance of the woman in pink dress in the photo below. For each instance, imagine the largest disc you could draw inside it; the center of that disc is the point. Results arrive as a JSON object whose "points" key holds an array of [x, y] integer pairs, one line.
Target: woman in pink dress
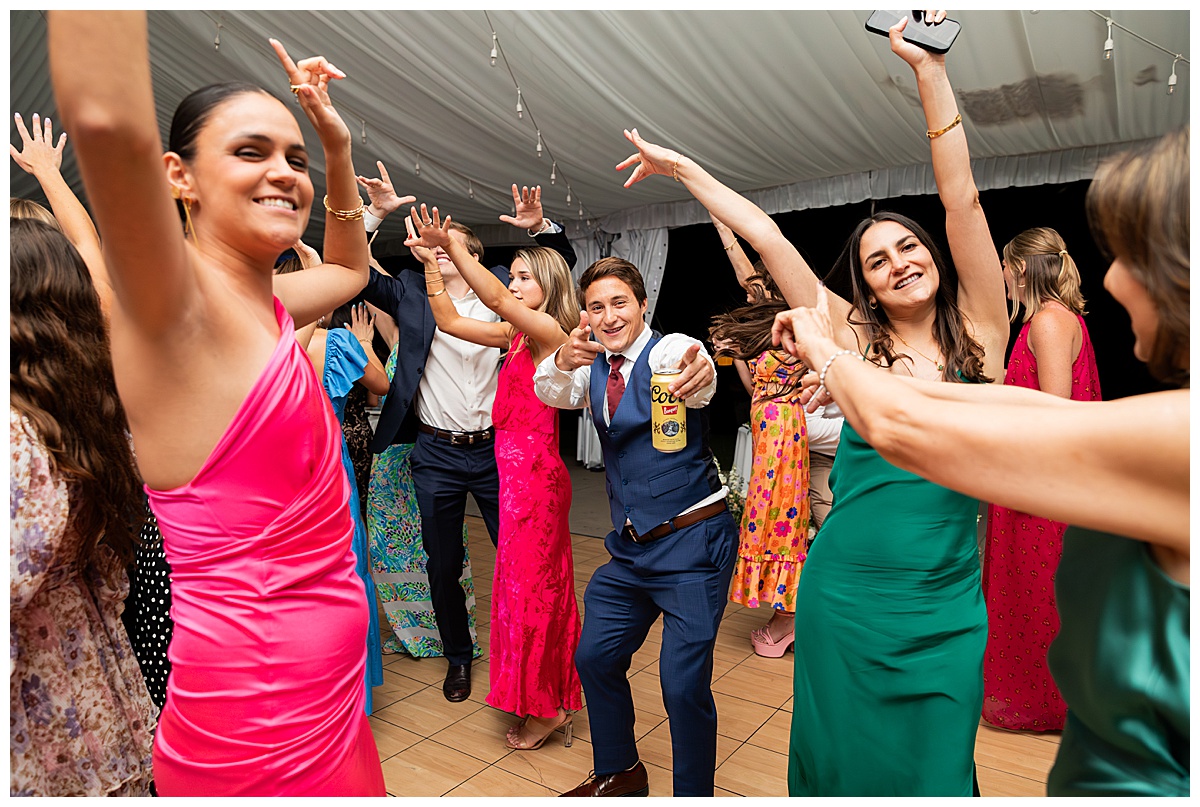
{"points": [[1053, 354], [535, 618], [237, 443]]}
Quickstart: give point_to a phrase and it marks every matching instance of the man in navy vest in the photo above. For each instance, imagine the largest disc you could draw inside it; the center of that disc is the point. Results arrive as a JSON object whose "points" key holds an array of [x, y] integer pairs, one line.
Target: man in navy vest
{"points": [[440, 398], [673, 542]]}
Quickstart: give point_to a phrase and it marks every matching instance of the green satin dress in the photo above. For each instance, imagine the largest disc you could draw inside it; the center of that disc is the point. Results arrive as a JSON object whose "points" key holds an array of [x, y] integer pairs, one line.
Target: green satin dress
{"points": [[890, 633], [1121, 661]]}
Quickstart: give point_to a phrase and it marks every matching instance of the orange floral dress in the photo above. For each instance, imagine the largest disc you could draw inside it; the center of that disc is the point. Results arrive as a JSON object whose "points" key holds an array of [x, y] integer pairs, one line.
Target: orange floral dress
{"points": [[774, 536]]}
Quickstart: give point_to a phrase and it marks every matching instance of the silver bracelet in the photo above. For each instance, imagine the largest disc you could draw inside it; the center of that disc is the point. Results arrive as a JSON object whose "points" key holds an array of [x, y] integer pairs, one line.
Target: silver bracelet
{"points": [[829, 361]]}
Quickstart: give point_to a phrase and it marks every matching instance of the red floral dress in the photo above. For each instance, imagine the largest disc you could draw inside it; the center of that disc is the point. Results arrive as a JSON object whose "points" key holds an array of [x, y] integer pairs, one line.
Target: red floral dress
{"points": [[1020, 559], [775, 519], [535, 619]]}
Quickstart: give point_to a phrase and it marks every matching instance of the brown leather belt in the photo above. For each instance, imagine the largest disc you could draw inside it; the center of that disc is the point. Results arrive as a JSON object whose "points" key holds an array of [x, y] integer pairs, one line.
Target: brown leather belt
{"points": [[461, 438], [677, 523]]}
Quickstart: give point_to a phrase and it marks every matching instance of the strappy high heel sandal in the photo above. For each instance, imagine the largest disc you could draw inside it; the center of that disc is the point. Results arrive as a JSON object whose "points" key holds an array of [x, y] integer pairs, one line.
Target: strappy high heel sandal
{"points": [[565, 724], [764, 646]]}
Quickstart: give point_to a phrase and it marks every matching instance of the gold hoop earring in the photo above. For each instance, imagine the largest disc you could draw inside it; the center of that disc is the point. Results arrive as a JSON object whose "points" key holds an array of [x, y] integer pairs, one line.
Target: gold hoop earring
{"points": [[873, 303]]}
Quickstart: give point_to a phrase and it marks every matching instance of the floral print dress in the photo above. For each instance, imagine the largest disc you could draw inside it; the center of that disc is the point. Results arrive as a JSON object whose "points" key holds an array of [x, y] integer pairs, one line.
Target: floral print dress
{"points": [[81, 718], [775, 519]]}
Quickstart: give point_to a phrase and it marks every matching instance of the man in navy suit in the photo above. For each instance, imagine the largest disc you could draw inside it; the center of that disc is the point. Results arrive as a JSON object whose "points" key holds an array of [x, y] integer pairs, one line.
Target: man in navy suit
{"points": [[673, 543], [441, 399]]}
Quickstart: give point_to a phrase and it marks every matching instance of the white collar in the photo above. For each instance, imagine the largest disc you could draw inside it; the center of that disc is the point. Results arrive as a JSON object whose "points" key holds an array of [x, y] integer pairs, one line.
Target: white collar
{"points": [[632, 352]]}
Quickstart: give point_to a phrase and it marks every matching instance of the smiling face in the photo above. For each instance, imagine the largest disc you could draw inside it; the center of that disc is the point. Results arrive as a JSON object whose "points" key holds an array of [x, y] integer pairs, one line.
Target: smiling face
{"points": [[523, 285], [616, 317], [898, 269], [248, 177]]}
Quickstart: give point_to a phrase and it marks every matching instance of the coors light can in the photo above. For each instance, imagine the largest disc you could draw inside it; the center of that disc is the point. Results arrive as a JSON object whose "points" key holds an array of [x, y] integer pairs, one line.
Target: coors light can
{"points": [[667, 417]]}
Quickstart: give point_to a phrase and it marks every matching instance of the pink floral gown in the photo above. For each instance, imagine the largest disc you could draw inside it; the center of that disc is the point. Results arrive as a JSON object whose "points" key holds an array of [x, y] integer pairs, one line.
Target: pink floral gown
{"points": [[775, 520], [1020, 559], [535, 619]]}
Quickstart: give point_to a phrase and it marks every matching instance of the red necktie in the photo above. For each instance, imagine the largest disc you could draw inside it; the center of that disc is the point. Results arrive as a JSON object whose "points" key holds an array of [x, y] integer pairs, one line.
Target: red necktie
{"points": [[616, 384]]}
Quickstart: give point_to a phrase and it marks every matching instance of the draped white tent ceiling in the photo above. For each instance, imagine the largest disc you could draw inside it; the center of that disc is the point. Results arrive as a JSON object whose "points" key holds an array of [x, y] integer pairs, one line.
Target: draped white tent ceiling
{"points": [[797, 108]]}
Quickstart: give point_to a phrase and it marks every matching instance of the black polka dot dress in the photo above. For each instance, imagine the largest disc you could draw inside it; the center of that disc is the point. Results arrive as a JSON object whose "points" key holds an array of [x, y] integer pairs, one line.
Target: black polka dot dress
{"points": [[148, 610]]}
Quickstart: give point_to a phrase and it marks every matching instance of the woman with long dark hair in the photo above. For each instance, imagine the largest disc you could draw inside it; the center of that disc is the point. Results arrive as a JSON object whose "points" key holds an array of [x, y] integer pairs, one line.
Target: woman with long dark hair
{"points": [[895, 624], [239, 449], [80, 715], [1122, 657]]}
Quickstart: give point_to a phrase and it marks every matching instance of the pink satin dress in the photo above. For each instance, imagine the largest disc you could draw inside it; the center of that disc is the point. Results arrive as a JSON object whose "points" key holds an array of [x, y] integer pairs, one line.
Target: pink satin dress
{"points": [[265, 696]]}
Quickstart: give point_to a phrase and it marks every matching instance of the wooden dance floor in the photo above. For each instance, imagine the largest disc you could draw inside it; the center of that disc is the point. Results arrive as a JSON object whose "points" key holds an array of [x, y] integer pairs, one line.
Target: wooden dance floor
{"points": [[430, 747]]}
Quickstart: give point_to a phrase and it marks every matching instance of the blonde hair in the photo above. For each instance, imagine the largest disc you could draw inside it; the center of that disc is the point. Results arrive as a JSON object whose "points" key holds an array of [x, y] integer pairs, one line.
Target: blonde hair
{"points": [[19, 208], [1039, 260], [553, 276], [1138, 208]]}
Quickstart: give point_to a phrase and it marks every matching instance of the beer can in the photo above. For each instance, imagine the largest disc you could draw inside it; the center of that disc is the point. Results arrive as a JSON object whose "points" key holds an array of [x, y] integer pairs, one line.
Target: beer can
{"points": [[668, 420]]}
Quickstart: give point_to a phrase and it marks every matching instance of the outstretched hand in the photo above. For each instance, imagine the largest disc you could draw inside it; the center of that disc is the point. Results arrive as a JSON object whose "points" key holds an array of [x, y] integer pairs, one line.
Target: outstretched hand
{"points": [[310, 82], [382, 193], [423, 254], [806, 333], [915, 55], [38, 155], [362, 323], [697, 372], [579, 350], [528, 204], [427, 230], [650, 159]]}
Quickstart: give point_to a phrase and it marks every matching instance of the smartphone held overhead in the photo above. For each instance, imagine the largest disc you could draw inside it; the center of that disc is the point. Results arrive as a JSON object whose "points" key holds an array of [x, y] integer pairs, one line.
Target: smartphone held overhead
{"points": [[934, 37]]}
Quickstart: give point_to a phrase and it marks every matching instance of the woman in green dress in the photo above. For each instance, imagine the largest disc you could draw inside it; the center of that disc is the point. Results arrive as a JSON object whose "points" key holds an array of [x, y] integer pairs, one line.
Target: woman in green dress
{"points": [[1117, 471], [888, 680]]}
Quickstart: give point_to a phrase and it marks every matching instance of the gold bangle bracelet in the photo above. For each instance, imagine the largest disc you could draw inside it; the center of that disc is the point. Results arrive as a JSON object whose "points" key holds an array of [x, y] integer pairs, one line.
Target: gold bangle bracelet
{"points": [[435, 294], [347, 215], [675, 167], [732, 244], [932, 134]]}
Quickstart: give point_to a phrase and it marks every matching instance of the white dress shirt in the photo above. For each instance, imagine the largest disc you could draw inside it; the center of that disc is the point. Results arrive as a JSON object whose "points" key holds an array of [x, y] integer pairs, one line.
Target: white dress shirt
{"points": [[458, 386], [564, 390]]}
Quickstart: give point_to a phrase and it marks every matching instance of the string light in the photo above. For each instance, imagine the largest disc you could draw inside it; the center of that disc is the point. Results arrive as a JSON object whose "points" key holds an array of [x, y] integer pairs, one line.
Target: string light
{"points": [[470, 189], [1173, 80], [493, 48], [1110, 23], [217, 39], [539, 147], [364, 131], [520, 109], [1108, 43], [553, 171], [568, 193], [417, 166]]}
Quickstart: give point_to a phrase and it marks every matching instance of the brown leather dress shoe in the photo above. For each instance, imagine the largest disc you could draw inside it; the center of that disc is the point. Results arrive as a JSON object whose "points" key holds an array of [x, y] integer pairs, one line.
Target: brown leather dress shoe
{"points": [[632, 782]]}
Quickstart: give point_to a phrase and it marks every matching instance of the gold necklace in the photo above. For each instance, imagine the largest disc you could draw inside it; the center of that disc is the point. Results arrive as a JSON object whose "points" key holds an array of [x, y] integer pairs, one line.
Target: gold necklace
{"points": [[939, 365]]}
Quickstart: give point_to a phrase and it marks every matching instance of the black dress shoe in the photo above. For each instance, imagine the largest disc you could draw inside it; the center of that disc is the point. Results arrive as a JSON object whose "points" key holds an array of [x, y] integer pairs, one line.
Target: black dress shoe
{"points": [[457, 686], [632, 782]]}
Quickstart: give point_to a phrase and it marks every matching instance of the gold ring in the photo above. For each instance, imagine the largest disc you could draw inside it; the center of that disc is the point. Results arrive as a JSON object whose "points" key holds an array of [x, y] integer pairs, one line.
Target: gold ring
{"points": [[295, 88]]}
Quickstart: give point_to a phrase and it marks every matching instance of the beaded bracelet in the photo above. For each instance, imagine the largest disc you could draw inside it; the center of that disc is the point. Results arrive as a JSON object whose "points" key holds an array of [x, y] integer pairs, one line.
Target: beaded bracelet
{"points": [[675, 167], [829, 361], [347, 215]]}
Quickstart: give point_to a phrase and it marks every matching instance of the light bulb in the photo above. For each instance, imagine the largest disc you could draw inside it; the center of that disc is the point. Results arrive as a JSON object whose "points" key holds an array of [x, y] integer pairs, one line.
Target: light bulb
{"points": [[417, 167], [581, 212], [568, 194], [217, 38], [520, 109], [539, 147], [494, 54], [1173, 79], [470, 189], [1108, 43], [364, 131], [553, 169]]}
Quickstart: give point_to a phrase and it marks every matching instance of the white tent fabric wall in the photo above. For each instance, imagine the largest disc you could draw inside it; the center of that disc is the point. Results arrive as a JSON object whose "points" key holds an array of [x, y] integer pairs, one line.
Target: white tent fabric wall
{"points": [[796, 108]]}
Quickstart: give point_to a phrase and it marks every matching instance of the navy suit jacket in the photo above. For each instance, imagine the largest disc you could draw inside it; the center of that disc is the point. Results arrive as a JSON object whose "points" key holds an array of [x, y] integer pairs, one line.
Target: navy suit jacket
{"points": [[404, 298]]}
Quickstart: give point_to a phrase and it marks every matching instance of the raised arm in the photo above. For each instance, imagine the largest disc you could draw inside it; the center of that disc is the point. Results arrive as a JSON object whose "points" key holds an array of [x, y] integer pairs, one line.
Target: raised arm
{"points": [[100, 66], [309, 294], [39, 157], [742, 267], [492, 334], [539, 325], [791, 272], [362, 325], [980, 280], [1073, 461]]}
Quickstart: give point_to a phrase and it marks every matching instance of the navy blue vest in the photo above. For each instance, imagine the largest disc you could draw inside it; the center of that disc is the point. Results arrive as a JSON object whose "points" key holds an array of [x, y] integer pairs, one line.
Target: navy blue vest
{"points": [[646, 486]]}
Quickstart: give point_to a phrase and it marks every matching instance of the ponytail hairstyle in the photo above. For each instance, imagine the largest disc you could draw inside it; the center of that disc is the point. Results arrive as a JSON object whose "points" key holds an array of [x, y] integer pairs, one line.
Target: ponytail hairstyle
{"points": [[1044, 271], [61, 380]]}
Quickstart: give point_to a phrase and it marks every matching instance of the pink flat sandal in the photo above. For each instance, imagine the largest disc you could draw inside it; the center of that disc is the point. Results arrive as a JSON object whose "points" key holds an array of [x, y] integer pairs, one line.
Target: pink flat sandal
{"points": [[763, 646]]}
